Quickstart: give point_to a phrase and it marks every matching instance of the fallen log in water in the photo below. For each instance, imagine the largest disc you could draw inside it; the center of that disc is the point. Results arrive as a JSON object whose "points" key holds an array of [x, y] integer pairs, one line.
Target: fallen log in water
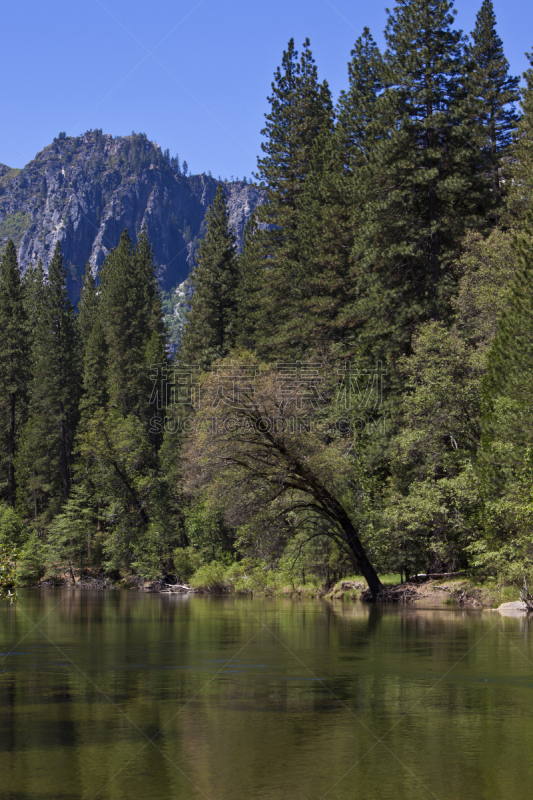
{"points": [[176, 587]]}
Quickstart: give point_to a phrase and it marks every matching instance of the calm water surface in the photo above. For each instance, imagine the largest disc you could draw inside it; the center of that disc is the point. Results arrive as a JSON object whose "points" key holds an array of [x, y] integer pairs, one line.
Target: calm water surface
{"points": [[126, 695]]}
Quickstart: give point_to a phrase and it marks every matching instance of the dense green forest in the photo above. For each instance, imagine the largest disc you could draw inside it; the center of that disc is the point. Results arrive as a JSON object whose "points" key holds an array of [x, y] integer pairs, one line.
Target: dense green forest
{"points": [[353, 390]]}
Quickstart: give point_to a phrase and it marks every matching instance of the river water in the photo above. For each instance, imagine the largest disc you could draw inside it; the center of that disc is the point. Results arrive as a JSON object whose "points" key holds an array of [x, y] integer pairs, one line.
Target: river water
{"points": [[117, 695]]}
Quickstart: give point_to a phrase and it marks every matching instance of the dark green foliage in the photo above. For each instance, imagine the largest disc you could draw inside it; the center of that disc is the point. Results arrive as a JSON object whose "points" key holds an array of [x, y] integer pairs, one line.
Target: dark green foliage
{"points": [[87, 308], [95, 370], [357, 106], [210, 328], [492, 93], [419, 191], [93, 346], [130, 312], [93, 492], [429, 510], [45, 457], [322, 315], [14, 367], [325, 315], [508, 386], [521, 193], [8, 574], [249, 285], [504, 460], [301, 111], [117, 494]]}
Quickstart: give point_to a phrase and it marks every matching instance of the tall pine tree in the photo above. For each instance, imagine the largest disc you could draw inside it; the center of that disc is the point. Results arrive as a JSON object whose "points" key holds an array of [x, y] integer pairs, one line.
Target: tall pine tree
{"points": [[248, 286], [419, 191], [32, 292], [492, 93], [322, 317], [210, 330], [117, 488], [87, 308], [521, 193], [357, 106], [46, 448], [328, 215], [301, 111], [131, 316], [14, 365], [93, 347]]}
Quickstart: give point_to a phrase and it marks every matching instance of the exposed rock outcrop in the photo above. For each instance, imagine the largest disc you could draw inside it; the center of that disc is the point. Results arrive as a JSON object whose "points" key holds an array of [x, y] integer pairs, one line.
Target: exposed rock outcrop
{"points": [[83, 191]]}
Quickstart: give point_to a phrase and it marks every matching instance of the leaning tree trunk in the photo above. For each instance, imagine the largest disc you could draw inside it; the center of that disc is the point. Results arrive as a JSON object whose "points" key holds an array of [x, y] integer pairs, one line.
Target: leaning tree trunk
{"points": [[336, 512], [361, 558]]}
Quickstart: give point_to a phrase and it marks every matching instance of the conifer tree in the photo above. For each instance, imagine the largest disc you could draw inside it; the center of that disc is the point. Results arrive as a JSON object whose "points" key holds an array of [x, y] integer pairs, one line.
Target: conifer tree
{"points": [[329, 215], [46, 449], [357, 106], [492, 93], [95, 371], [521, 193], [121, 303], [87, 308], [93, 348], [14, 364], [145, 268], [322, 315], [32, 291], [248, 287], [301, 111], [419, 192], [130, 313], [210, 330]]}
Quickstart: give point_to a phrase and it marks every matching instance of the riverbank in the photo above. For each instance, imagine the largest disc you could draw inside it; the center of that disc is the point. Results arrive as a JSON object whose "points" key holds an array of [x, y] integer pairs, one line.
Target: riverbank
{"points": [[447, 591], [460, 591], [454, 591]]}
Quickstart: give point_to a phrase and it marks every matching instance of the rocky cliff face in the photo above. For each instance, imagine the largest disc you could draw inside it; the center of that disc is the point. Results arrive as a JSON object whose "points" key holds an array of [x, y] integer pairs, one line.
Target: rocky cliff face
{"points": [[84, 191]]}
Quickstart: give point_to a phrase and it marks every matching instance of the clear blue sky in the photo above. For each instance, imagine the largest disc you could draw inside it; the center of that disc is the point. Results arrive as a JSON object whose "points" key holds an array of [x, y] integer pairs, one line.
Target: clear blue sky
{"points": [[191, 74]]}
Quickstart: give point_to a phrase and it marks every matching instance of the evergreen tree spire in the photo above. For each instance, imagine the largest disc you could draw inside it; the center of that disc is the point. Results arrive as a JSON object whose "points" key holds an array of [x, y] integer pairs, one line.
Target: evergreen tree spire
{"points": [[357, 105], [248, 292], [87, 307], [323, 318], [95, 370], [301, 111], [492, 93], [145, 268], [32, 294], [130, 313], [300, 108], [211, 322], [419, 191], [14, 363], [521, 193], [45, 457], [93, 346], [121, 308]]}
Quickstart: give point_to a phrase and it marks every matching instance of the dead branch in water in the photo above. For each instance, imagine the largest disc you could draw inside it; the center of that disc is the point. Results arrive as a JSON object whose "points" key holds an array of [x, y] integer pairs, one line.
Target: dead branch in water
{"points": [[526, 597]]}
